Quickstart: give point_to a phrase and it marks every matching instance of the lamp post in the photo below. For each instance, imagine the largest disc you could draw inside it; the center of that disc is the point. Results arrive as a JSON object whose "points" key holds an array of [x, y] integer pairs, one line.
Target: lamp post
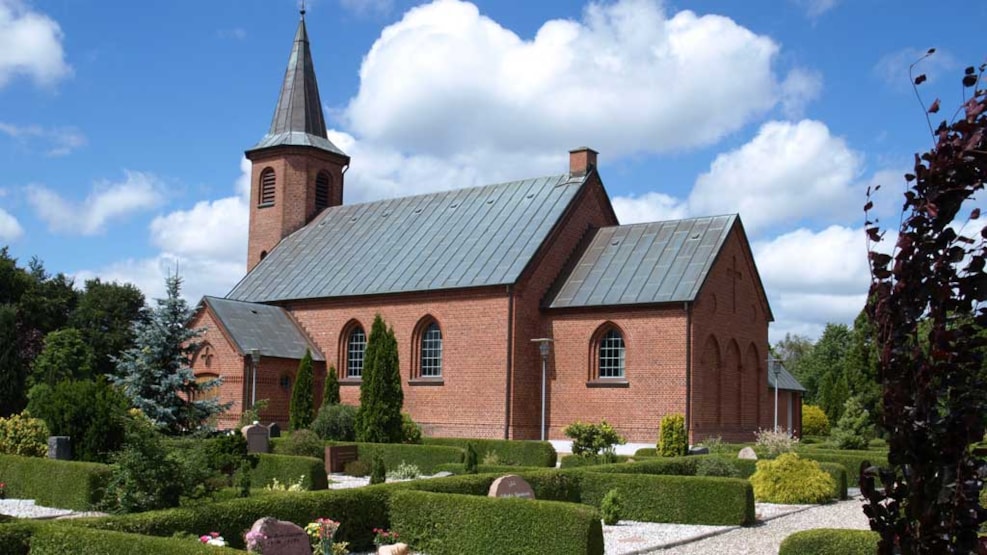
{"points": [[544, 346], [255, 363], [775, 366]]}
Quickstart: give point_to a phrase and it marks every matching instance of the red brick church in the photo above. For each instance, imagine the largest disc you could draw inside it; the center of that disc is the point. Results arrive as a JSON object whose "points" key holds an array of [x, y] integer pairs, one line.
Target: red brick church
{"points": [[645, 320]]}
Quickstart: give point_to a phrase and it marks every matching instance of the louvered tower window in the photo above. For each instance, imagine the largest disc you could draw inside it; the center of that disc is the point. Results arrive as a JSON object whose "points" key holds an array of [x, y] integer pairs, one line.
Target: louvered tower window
{"points": [[266, 187], [321, 191]]}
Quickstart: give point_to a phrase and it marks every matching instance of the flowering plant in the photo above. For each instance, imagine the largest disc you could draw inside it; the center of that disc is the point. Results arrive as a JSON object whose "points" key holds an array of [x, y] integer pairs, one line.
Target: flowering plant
{"points": [[214, 539], [322, 531], [3, 490], [253, 539], [384, 537]]}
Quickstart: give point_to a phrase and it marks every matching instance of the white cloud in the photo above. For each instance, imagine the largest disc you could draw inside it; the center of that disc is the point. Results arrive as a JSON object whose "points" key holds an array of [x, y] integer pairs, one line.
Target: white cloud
{"points": [[30, 44], [106, 203], [800, 87], [10, 228], [59, 141], [627, 78], [815, 8], [649, 207], [893, 67], [788, 172]]}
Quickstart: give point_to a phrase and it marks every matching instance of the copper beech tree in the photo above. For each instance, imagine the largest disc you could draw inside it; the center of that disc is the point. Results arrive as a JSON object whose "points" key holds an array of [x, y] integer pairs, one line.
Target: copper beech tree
{"points": [[925, 304]]}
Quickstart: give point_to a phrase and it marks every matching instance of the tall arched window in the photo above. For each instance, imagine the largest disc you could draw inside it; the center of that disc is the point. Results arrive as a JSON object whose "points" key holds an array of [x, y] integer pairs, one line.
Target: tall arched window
{"points": [[430, 360], [322, 191], [356, 346], [267, 181], [611, 355]]}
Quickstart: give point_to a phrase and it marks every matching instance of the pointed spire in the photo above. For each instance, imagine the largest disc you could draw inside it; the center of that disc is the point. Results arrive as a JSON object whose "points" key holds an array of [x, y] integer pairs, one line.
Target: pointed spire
{"points": [[298, 119]]}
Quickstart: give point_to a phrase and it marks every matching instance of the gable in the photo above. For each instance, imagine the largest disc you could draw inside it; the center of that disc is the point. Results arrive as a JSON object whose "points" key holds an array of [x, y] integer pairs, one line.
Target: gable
{"points": [[267, 328], [463, 238]]}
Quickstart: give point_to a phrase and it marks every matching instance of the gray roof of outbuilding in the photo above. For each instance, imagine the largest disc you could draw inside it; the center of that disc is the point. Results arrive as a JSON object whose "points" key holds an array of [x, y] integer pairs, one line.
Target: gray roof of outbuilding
{"points": [[654, 262], [463, 238], [785, 379], [298, 118], [267, 328]]}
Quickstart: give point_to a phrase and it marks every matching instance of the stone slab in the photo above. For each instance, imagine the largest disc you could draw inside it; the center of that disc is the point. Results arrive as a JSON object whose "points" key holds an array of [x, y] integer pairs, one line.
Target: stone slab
{"points": [[511, 485], [281, 537]]}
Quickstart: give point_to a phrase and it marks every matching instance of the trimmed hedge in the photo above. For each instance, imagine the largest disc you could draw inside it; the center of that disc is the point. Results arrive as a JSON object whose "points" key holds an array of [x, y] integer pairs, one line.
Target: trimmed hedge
{"points": [[443, 524], [425, 457], [577, 461], [849, 459], [830, 541], [509, 452], [62, 540], [15, 537], [457, 468], [52, 483], [668, 466], [287, 469]]}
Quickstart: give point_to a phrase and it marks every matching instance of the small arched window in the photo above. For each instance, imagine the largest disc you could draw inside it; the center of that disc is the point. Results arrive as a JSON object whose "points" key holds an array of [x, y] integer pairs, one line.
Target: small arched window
{"points": [[322, 182], [267, 182], [356, 346], [611, 355], [430, 361]]}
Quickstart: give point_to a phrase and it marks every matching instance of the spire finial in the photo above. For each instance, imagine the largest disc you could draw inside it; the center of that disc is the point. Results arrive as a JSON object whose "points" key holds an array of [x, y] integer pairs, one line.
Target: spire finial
{"points": [[301, 8]]}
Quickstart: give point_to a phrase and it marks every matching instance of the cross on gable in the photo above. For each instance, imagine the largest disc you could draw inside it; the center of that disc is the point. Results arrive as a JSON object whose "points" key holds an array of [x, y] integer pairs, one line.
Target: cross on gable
{"points": [[735, 276]]}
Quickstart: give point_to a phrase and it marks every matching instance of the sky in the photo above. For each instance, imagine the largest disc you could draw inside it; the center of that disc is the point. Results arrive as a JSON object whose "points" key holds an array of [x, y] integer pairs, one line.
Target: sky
{"points": [[123, 124]]}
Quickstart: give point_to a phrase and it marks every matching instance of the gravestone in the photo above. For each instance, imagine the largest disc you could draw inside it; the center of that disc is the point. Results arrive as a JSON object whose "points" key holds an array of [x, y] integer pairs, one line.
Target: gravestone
{"points": [[338, 455], [281, 537], [258, 440], [511, 485], [60, 448], [395, 549], [747, 453], [274, 430], [699, 450]]}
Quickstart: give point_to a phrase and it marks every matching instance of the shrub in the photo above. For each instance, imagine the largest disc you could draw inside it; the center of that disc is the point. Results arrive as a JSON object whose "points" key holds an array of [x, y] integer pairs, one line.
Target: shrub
{"points": [[814, 421], [716, 466], [411, 431], [827, 541], [302, 408], [287, 468], [444, 524], [504, 451], [470, 459], [672, 440], [404, 471], [52, 483], [378, 420], [276, 485], [378, 470], [90, 412], [790, 479], [330, 390], [854, 430], [144, 477], [336, 422], [771, 443], [241, 479], [593, 439], [358, 468], [303, 443], [850, 460], [716, 446], [610, 507], [573, 461], [24, 436]]}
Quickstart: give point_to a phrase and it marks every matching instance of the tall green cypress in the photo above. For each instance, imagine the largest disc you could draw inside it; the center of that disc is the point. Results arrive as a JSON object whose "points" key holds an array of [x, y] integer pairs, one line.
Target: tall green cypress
{"points": [[330, 392], [378, 419], [302, 410]]}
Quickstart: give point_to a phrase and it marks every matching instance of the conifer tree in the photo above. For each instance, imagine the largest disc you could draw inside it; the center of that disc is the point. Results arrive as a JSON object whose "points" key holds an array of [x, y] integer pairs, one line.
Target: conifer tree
{"points": [[302, 410], [155, 374], [330, 392], [378, 419]]}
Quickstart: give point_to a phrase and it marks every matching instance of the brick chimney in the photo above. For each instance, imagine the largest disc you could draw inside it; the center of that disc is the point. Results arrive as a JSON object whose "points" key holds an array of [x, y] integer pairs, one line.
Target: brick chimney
{"points": [[581, 161]]}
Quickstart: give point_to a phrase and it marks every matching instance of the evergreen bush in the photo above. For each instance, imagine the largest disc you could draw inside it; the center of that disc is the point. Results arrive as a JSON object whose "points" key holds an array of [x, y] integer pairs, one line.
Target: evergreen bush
{"points": [[854, 430], [65, 356], [716, 466], [336, 422], [378, 419], [22, 435], [411, 432], [610, 507], [593, 439], [378, 471], [91, 413], [144, 477], [330, 390], [791, 480], [470, 459], [302, 409], [814, 421], [673, 441], [303, 443]]}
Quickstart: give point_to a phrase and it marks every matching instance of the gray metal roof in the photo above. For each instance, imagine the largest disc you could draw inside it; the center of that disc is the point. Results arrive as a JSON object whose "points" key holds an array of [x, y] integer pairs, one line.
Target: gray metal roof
{"points": [[298, 119], [461, 238], [654, 262], [264, 327], [785, 379]]}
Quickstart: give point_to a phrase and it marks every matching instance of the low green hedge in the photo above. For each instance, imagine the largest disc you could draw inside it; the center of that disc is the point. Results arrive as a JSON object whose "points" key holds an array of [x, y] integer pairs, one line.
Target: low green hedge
{"points": [[669, 466], [849, 459], [444, 524], [509, 452], [460, 468], [287, 469], [15, 537], [425, 457], [576, 461], [67, 540], [53, 483], [830, 541]]}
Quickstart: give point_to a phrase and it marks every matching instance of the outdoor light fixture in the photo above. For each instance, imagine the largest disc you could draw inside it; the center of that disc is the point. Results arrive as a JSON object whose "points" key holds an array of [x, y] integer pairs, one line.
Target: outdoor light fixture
{"points": [[775, 366], [544, 347], [255, 363]]}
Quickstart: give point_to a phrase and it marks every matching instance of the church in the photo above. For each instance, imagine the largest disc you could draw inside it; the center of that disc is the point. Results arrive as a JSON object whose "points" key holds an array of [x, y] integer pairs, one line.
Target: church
{"points": [[519, 308]]}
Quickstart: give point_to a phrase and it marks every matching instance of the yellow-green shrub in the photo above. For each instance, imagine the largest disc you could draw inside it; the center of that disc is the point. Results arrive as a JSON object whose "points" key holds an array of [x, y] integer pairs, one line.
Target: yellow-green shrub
{"points": [[814, 421], [790, 479], [672, 440], [22, 435]]}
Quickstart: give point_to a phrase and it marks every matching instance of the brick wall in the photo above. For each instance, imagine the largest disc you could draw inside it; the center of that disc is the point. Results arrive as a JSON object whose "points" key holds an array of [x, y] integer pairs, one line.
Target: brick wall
{"points": [[225, 362]]}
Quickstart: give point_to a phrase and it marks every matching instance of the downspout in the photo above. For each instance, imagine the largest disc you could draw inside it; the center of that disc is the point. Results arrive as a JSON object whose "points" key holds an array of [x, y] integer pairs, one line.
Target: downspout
{"points": [[510, 347], [688, 370]]}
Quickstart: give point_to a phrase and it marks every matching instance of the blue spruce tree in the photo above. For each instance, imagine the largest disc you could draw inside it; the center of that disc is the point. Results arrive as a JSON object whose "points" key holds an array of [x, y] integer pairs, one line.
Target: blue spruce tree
{"points": [[155, 374]]}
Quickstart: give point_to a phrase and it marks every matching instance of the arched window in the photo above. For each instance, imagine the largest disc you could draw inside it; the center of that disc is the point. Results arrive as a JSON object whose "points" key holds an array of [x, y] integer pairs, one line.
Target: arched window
{"points": [[356, 345], [430, 359], [610, 355], [267, 180], [322, 191]]}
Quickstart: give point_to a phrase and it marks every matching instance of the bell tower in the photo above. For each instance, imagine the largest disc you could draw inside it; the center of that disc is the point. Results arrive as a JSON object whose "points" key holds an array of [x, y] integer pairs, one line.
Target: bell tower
{"points": [[296, 170]]}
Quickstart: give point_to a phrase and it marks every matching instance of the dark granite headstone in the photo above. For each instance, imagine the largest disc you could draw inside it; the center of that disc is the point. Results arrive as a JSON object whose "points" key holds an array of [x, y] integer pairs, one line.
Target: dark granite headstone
{"points": [[60, 448], [258, 440], [699, 450], [511, 486], [281, 537], [274, 429]]}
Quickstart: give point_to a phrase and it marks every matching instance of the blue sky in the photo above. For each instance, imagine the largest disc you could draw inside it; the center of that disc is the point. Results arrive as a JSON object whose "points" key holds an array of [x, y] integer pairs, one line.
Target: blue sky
{"points": [[123, 124]]}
